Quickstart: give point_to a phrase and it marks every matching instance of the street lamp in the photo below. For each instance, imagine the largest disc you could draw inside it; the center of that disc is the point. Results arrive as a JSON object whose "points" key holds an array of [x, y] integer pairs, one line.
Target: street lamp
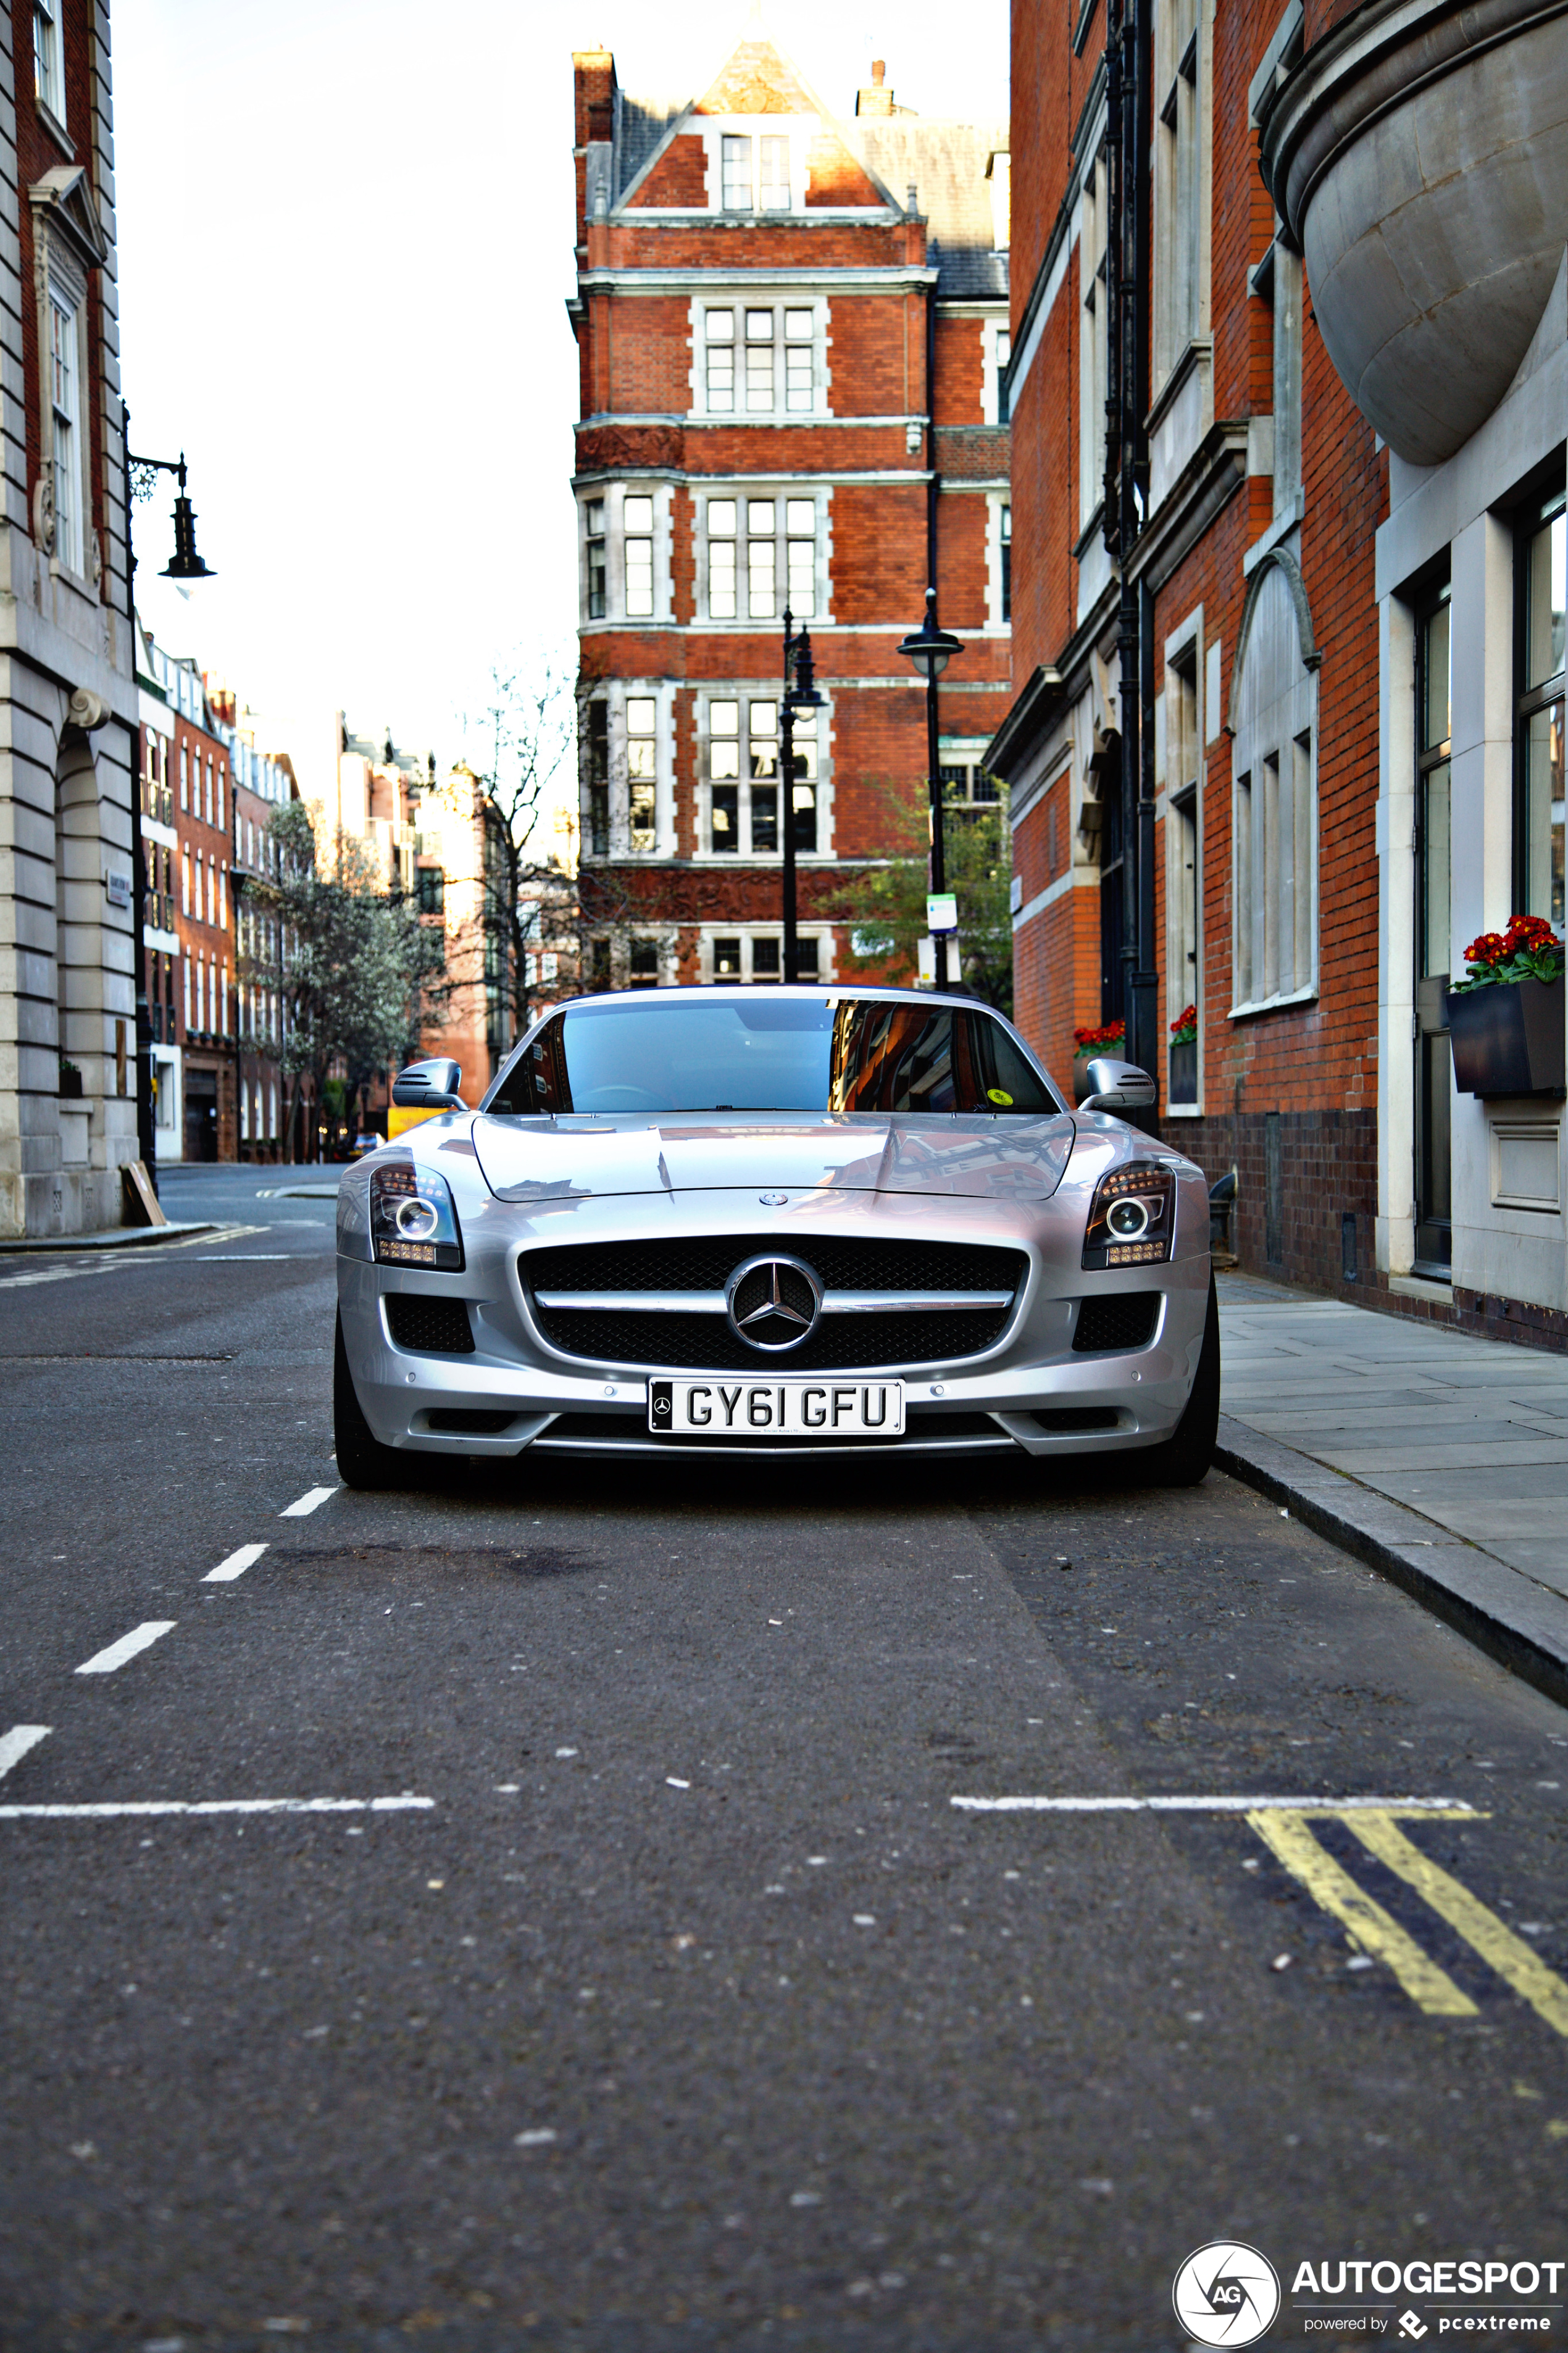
{"points": [[184, 564], [140, 479], [800, 694], [931, 649]]}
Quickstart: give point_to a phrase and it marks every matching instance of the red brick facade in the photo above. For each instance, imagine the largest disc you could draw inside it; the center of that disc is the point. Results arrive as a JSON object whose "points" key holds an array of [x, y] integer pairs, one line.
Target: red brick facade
{"points": [[1240, 538], [788, 382]]}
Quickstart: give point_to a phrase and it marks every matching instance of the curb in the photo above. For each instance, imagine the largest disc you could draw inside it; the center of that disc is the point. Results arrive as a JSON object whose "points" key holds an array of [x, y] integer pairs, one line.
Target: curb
{"points": [[111, 1237], [1519, 1624]]}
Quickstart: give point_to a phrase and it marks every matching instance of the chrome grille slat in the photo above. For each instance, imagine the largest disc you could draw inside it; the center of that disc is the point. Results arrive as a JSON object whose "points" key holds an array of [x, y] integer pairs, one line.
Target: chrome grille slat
{"points": [[711, 1303]]}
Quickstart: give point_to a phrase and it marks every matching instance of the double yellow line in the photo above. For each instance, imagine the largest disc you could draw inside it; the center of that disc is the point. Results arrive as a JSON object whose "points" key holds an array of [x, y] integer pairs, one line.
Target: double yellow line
{"points": [[1289, 1836]]}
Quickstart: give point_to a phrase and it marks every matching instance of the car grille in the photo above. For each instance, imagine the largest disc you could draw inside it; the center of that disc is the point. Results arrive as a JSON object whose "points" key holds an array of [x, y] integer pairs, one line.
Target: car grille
{"points": [[1114, 1325], [669, 1336], [429, 1327]]}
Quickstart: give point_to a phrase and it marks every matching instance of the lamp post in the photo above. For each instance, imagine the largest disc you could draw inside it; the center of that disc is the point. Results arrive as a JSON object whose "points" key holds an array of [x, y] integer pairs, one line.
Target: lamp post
{"points": [[800, 694], [141, 479], [931, 649]]}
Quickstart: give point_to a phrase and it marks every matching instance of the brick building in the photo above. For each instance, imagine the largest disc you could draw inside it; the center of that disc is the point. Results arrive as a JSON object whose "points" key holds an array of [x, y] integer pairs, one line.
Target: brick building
{"points": [[206, 797], [791, 327], [1254, 564], [68, 701]]}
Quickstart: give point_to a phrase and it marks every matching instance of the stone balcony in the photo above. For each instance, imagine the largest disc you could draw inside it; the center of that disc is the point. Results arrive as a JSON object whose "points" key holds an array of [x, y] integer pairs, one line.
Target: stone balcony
{"points": [[1419, 156]]}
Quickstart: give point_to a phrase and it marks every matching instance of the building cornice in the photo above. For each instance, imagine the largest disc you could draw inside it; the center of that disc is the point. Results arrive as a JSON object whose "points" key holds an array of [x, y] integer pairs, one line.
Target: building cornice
{"points": [[1052, 686], [1210, 479], [693, 278]]}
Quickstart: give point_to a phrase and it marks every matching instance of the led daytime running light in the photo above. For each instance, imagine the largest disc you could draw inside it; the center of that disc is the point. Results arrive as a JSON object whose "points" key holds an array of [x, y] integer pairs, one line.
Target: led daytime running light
{"points": [[413, 1220], [1131, 1219]]}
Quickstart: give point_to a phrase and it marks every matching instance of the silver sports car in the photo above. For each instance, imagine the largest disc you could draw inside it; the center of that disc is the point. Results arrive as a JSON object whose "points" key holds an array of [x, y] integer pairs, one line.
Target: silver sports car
{"points": [[779, 1222]]}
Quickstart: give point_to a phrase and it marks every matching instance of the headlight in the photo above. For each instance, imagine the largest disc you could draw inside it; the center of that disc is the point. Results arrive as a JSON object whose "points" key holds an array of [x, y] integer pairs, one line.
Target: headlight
{"points": [[413, 1219], [1133, 1217]]}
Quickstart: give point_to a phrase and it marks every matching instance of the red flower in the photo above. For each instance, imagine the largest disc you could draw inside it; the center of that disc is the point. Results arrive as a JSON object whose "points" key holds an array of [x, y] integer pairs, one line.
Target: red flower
{"points": [[1089, 1041], [1187, 1020]]}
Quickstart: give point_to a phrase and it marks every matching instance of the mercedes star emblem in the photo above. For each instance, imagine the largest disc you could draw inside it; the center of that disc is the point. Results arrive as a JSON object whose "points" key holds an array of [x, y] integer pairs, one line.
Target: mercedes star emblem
{"points": [[773, 1304]]}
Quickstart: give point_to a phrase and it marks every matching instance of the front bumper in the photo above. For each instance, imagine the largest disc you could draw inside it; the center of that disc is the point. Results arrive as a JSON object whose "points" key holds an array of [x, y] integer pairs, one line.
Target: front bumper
{"points": [[1029, 1393]]}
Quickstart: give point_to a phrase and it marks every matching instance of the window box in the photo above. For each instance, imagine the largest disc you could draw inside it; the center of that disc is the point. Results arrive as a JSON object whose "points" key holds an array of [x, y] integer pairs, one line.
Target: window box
{"points": [[1185, 1073], [1507, 1038]]}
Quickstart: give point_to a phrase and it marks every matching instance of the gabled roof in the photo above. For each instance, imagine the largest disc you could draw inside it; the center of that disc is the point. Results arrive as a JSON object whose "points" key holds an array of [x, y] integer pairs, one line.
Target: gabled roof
{"points": [[945, 163]]}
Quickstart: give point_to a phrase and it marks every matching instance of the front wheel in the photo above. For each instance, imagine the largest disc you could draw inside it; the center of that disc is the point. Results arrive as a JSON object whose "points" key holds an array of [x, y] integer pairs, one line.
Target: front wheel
{"points": [[363, 1461], [1183, 1458]]}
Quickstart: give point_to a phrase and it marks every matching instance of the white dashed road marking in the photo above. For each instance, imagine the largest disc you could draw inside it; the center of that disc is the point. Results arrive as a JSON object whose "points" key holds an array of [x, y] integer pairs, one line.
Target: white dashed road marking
{"points": [[234, 1565], [311, 1501], [15, 1744], [140, 1805], [141, 1637]]}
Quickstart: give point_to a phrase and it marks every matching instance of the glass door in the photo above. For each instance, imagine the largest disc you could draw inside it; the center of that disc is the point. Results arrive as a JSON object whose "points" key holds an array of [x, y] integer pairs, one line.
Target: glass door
{"points": [[1434, 1062]]}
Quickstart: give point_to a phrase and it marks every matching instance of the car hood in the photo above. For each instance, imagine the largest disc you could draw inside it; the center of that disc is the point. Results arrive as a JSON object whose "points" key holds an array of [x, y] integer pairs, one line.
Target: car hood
{"points": [[540, 1159]]}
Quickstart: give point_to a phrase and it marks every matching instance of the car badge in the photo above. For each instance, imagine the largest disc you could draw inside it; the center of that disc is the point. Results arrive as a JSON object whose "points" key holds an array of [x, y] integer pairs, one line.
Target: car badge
{"points": [[773, 1304], [773, 1200]]}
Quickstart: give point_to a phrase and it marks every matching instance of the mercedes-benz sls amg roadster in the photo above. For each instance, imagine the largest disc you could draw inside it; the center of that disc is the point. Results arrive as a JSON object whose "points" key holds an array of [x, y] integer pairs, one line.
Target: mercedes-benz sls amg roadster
{"points": [[773, 1221]]}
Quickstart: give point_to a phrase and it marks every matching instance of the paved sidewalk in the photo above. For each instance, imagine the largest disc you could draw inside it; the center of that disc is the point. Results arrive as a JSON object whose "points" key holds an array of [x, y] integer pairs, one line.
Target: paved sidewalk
{"points": [[1440, 1457]]}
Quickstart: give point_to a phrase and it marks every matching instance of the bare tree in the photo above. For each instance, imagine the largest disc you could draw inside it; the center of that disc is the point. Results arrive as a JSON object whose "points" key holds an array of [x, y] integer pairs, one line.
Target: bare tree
{"points": [[528, 904]]}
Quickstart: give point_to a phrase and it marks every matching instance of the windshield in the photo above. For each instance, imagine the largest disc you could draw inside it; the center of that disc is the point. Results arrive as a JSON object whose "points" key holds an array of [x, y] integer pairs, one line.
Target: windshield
{"points": [[639, 1053]]}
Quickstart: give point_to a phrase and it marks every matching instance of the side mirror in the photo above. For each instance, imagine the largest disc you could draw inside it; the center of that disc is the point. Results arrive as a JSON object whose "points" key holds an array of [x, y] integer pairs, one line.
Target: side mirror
{"points": [[1117, 1086], [429, 1086]]}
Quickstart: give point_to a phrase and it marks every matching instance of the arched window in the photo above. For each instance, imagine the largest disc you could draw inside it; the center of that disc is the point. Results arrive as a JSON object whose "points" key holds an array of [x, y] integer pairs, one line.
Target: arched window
{"points": [[1274, 808]]}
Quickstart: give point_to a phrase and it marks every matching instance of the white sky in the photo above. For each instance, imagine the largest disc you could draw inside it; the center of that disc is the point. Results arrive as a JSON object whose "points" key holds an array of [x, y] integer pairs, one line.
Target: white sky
{"points": [[345, 245]]}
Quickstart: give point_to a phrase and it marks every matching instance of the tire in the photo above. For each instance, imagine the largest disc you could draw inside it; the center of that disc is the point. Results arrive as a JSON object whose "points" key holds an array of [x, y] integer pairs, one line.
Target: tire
{"points": [[1184, 1458], [363, 1461]]}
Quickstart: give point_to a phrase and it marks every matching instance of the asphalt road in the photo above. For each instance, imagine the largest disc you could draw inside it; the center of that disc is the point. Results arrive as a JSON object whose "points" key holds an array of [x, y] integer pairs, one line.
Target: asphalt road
{"points": [[690, 2011]]}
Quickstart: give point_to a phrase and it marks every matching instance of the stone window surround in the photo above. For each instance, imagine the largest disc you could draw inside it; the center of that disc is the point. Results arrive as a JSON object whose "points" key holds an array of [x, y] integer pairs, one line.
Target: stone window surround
{"points": [[708, 933], [614, 494], [761, 486], [799, 130], [777, 298], [746, 692], [1185, 647], [68, 244], [615, 694], [1290, 717]]}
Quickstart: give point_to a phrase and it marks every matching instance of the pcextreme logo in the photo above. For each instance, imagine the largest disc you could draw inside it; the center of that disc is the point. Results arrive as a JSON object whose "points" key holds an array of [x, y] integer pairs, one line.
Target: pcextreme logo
{"points": [[1226, 2294]]}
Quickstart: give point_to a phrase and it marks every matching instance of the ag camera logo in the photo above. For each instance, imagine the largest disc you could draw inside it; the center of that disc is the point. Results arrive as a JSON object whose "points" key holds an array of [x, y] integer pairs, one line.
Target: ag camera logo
{"points": [[1226, 2293]]}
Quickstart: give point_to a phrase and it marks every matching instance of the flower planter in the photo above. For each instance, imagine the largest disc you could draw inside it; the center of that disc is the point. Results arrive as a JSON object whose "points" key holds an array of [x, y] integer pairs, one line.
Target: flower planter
{"points": [[1185, 1073], [1507, 1038]]}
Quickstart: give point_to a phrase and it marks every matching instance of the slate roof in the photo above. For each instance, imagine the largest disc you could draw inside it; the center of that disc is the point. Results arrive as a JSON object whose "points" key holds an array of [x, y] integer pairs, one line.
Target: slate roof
{"points": [[945, 163]]}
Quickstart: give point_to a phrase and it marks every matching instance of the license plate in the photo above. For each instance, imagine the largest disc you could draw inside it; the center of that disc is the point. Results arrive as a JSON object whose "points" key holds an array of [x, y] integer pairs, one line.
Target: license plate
{"points": [[810, 1409]]}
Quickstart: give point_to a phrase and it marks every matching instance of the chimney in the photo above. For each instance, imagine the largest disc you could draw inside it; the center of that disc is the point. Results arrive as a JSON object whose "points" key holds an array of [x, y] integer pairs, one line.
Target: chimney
{"points": [[879, 99]]}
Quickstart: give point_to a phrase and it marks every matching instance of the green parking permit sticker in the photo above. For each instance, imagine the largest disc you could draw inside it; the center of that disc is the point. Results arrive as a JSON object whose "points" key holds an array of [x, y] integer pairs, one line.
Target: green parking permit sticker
{"points": [[998, 1095]]}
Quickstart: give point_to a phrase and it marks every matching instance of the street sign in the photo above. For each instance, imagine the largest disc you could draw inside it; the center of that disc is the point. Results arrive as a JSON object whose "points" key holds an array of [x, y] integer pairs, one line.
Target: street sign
{"points": [[941, 912]]}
